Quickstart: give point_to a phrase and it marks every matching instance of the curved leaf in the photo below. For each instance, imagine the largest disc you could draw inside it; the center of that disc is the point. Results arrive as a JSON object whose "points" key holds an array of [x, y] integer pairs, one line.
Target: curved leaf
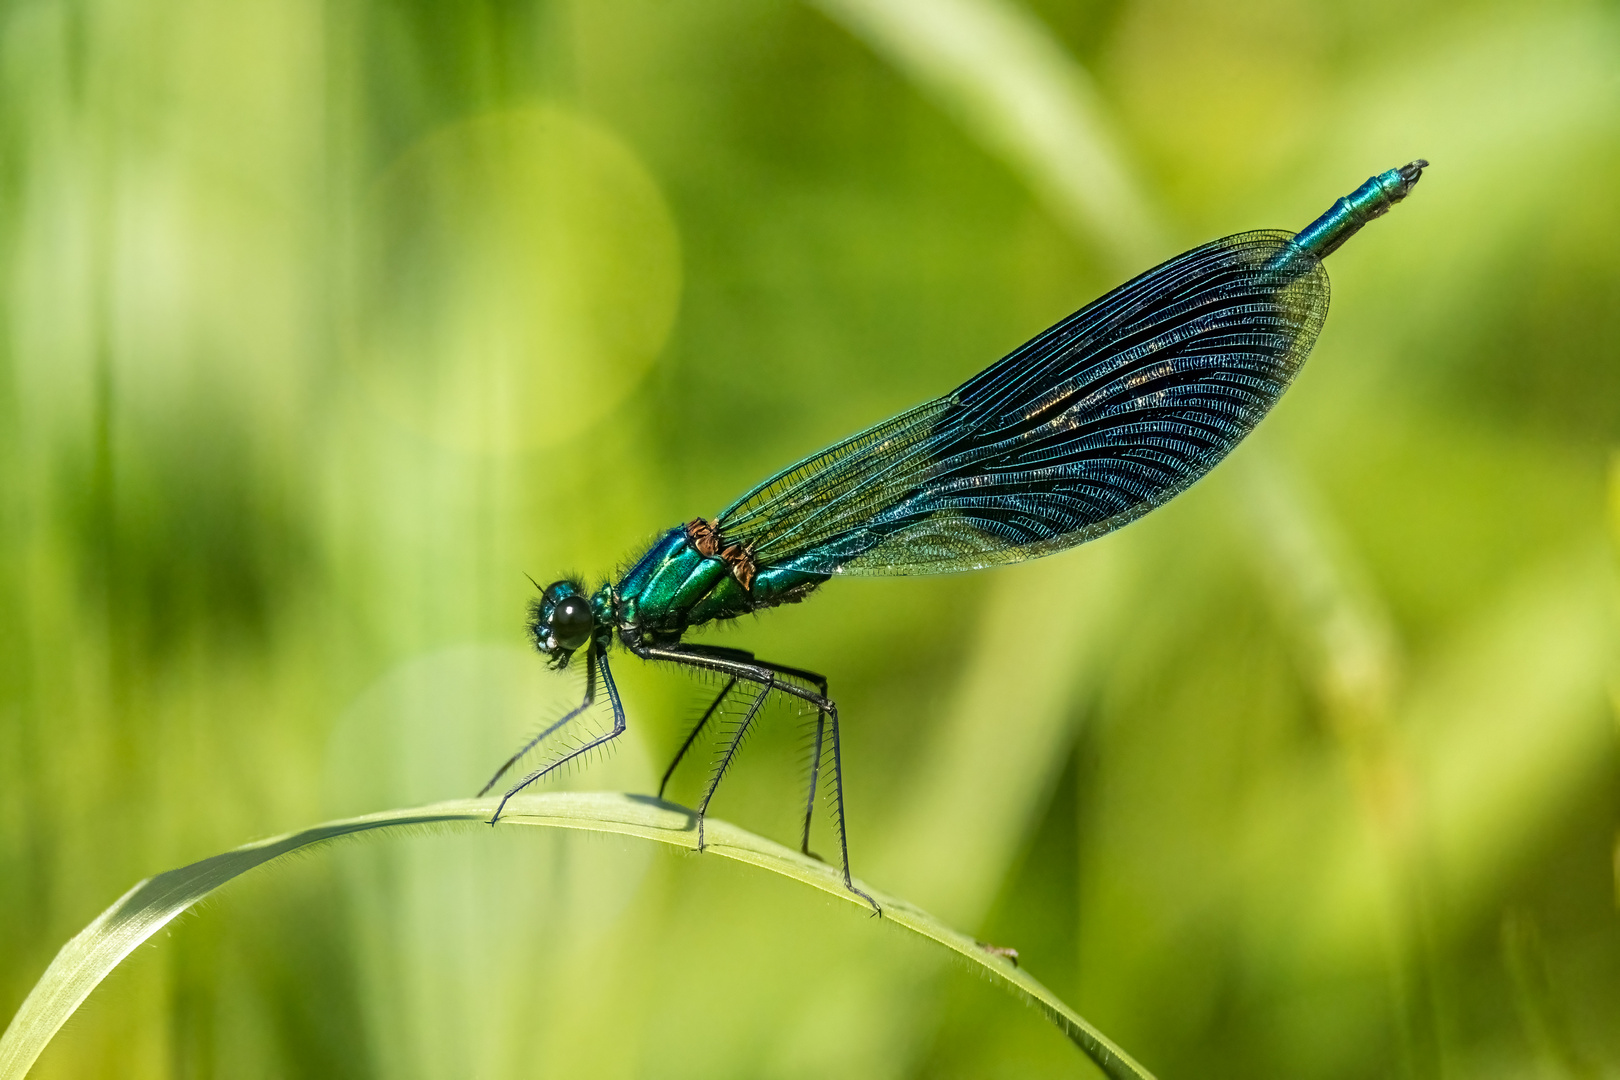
{"points": [[87, 959]]}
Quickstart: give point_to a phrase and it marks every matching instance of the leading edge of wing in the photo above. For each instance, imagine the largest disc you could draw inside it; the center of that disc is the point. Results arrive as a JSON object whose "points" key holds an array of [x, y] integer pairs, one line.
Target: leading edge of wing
{"points": [[1086, 427]]}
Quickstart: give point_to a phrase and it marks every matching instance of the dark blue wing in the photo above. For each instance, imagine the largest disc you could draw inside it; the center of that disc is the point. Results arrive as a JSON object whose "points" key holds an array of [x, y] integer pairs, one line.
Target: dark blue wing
{"points": [[1087, 427]]}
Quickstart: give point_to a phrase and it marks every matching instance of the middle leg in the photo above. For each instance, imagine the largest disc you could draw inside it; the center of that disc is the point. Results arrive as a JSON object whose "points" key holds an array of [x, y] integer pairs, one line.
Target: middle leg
{"points": [[822, 702], [729, 661], [730, 753], [696, 731]]}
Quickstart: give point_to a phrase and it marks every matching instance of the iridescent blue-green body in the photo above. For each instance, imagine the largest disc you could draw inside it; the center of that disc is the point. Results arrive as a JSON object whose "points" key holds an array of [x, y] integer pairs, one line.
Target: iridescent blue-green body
{"points": [[1083, 429], [679, 583]]}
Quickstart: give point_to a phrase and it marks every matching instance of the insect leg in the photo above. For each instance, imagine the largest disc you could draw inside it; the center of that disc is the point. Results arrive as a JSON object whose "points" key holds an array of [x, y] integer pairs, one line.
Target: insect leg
{"points": [[838, 787], [820, 683], [690, 739], [727, 661], [731, 752], [618, 729], [815, 779], [590, 698], [699, 654]]}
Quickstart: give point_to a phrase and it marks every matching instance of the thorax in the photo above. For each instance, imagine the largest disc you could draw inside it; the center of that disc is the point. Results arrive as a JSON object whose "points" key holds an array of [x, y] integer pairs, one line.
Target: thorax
{"points": [[689, 577]]}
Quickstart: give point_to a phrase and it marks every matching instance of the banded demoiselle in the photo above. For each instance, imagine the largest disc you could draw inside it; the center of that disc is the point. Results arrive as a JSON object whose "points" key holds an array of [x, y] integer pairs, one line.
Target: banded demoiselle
{"points": [[1085, 428]]}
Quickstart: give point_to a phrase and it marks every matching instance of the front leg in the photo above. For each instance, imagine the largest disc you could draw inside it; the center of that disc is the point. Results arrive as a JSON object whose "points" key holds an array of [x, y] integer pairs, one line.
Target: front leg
{"points": [[618, 729], [590, 699]]}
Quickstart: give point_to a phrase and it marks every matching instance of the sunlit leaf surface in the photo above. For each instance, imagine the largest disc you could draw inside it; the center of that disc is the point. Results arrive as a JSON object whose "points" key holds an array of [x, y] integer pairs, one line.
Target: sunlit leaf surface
{"points": [[86, 960]]}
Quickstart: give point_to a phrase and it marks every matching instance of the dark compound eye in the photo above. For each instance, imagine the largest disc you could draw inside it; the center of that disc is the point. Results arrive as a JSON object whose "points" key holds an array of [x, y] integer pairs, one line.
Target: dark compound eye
{"points": [[571, 622]]}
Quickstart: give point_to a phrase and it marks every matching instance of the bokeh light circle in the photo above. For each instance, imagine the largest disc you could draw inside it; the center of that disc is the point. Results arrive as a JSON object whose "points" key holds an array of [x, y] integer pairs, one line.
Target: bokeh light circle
{"points": [[519, 272]]}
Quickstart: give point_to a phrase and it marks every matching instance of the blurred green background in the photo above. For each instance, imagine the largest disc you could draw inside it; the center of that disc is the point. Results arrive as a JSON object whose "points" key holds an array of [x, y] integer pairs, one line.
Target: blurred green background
{"points": [[324, 323]]}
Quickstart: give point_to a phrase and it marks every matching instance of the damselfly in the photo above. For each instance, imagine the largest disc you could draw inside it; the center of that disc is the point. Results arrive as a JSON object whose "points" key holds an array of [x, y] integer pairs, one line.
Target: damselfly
{"points": [[1086, 427]]}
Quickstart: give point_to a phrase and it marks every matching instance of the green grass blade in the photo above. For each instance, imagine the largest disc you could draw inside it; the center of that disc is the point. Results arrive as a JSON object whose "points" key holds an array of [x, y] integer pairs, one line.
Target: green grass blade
{"points": [[87, 959], [998, 70]]}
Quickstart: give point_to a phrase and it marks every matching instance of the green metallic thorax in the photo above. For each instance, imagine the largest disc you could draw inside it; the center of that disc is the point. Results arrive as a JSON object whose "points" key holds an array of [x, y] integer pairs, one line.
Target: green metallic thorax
{"points": [[673, 588]]}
